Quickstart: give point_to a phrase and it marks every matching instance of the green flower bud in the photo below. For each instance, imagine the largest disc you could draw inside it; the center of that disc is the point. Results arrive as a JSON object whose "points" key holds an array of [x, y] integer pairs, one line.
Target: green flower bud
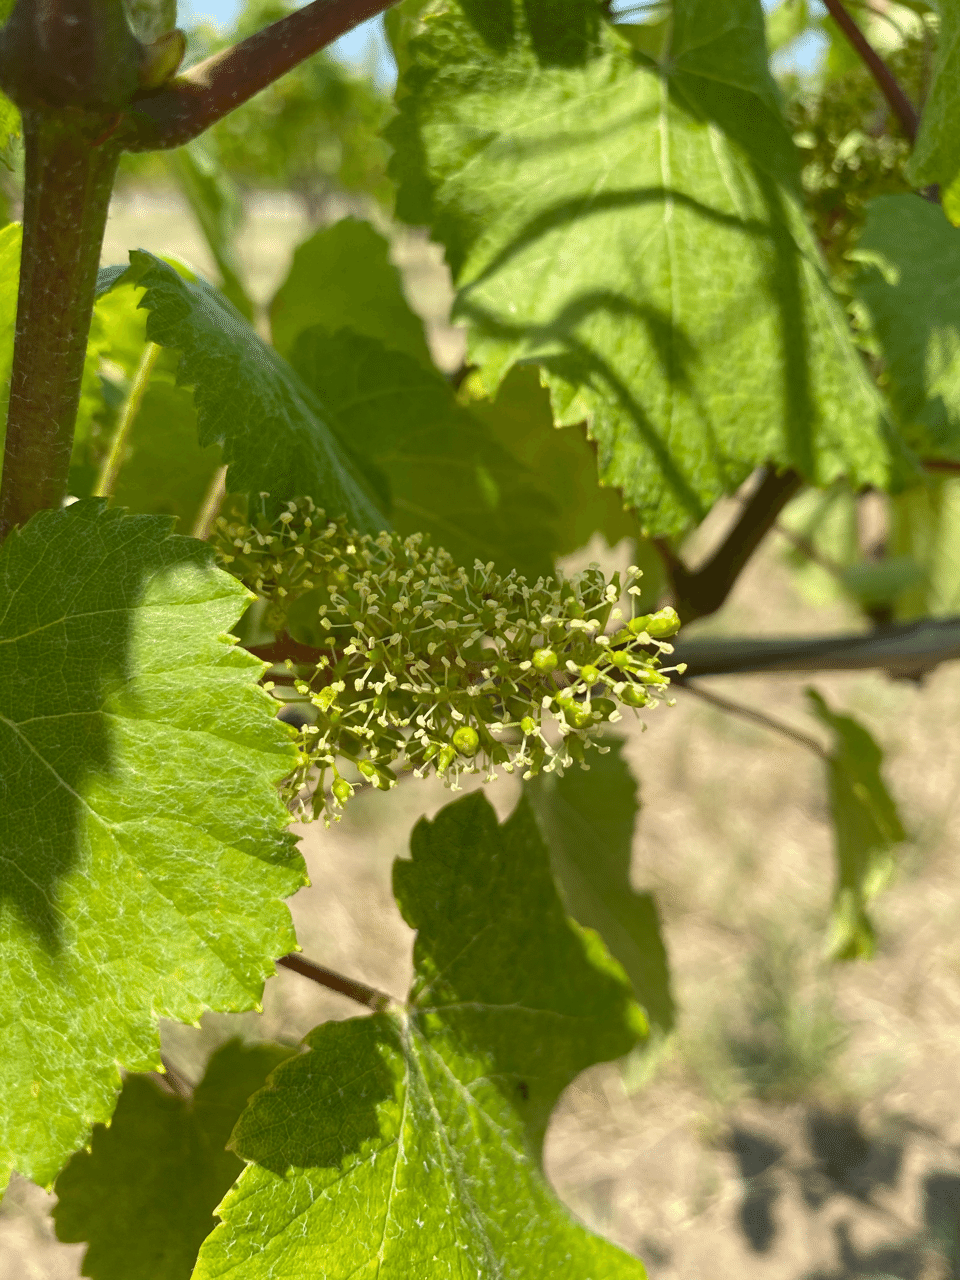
{"points": [[545, 660], [466, 740], [663, 623], [589, 674], [634, 696], [445, 758], [528, 725]]}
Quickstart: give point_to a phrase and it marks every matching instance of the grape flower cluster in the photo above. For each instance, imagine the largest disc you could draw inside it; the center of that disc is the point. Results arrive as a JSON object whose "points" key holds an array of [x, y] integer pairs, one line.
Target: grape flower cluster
{"points": [[444, 669]]}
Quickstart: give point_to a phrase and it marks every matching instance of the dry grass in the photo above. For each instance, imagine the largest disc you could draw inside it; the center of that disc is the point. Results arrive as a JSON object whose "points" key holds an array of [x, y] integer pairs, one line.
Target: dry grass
{"points": [[804, 1124]]}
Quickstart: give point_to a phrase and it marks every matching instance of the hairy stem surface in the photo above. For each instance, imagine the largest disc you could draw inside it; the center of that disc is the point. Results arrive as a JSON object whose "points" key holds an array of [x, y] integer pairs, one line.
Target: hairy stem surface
{"points": [[68, 180]]}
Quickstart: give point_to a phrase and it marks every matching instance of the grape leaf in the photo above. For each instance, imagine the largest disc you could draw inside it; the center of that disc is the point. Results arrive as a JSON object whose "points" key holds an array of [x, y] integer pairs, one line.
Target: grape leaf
{"points": [[637, 232], [143, 1196], [519, 416], [866, 828], [215, 203], [936, 153], [909, 283], [272, 428], [448, 476], [342, 278], [144, 847], [588, 820], [408, 1143]]}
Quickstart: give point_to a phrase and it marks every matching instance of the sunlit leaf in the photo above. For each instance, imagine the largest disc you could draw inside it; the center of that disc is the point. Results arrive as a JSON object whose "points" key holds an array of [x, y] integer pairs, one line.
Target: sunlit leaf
{"points": [[408, 1143]]}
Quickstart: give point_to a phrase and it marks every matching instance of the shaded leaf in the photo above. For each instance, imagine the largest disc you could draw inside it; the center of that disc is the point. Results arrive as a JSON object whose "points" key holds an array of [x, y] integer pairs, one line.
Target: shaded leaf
{"points": [[143, 1196], [520, 417], [166, 471], [588, 820], [637, 233], [9, 119], [449, 478], [342, 278], [866, 828], [408, 1144], [144, 847], [936, 154], [272, 428], [910, 283]]}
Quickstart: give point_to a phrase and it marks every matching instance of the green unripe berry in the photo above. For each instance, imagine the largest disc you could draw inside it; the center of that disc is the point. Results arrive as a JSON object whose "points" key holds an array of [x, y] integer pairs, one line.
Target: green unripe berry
{"points": [[589, 674], [342, 790], [620, 658], [466, 740], [528, 725], [545, 660], [445, 758], [367, 768]]}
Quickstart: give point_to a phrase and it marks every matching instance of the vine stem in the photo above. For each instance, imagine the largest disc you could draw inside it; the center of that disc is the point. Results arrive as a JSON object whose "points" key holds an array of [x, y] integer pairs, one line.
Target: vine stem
{"points": [[889, 86], [68, 179], [700, 592], [192, 102], [107, 478], [370, 997]]}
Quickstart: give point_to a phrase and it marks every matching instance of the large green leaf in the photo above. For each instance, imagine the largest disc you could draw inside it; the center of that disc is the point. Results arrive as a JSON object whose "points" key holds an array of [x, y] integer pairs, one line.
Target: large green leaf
{"points": [[342, 278], [910, 283], [636, 231], [588, 821], [143, 1196], [866, 827], [144, 847], [448, 476], [936, 155], [272, 428], [407, 1144]]}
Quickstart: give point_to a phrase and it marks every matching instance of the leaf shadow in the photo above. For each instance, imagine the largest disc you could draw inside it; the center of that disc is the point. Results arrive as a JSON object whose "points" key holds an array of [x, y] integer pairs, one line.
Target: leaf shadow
{"points": [[66, 643]]}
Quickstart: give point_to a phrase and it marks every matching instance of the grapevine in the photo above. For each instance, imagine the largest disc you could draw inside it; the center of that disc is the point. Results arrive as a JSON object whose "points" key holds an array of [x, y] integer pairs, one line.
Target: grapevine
{"points": [[427, 665]]}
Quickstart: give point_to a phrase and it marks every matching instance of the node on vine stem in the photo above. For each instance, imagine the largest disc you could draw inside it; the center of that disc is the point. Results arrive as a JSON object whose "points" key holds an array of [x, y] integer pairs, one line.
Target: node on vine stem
{"points": [[438, 667]]}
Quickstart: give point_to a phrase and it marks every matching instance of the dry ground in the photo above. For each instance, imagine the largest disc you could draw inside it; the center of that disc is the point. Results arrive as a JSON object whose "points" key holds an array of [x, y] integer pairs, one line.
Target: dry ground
{"points": [[804, 1124]]}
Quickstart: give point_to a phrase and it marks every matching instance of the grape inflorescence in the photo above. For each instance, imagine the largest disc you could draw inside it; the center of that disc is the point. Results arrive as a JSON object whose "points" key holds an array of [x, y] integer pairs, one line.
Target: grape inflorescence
{"points": [[440, 668]]}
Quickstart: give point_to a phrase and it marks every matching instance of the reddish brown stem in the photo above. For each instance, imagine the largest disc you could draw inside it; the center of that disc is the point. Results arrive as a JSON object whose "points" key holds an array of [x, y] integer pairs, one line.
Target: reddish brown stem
{"points": [[191, 103], [359, 991], [889, 86], [698, 593], [67, 194]]}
